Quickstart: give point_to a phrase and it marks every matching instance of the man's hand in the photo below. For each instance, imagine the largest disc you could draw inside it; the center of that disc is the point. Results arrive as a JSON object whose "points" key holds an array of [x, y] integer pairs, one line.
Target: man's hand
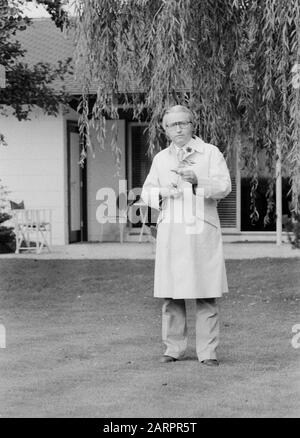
{"points": [[187, 175], [170, 192]]}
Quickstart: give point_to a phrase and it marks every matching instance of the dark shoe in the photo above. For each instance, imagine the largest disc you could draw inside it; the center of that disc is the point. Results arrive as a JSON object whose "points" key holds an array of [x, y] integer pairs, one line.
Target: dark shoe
{"points": [[210, 362], [167, 359]]}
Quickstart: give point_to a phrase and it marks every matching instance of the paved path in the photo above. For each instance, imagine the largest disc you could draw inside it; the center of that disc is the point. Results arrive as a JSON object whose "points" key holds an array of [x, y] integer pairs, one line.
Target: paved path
{"points": [[135, 250]]}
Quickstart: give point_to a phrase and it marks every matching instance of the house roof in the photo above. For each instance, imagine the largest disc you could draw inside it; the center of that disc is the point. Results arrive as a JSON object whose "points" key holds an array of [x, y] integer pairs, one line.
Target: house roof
{"points": [[44, 42]]}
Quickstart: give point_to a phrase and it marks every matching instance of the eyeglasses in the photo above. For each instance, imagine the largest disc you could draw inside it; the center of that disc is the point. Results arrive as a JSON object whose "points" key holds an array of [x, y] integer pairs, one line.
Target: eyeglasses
{"points": [[182, 125]]}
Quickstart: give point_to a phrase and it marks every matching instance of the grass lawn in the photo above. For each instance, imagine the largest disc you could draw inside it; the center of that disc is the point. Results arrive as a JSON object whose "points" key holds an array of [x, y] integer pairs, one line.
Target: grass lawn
{"points": [[84, 339]]}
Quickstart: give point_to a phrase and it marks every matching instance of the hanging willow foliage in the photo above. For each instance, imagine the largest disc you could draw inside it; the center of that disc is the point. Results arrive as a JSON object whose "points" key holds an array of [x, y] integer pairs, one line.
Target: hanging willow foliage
{"points": [[232, 61]]}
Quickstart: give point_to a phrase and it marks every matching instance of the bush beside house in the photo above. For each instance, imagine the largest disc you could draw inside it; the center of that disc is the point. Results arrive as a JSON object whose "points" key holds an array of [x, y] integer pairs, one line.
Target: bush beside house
{"points": [[7, 235]]}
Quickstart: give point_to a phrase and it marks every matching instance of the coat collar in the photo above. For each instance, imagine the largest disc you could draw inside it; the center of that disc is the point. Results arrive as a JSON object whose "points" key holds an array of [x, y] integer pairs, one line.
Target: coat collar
{"points": [[196, 144]]}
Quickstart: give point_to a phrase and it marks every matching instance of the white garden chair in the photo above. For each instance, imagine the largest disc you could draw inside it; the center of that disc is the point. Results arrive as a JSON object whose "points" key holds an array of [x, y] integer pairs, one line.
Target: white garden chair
{"points": [[33, 229]]}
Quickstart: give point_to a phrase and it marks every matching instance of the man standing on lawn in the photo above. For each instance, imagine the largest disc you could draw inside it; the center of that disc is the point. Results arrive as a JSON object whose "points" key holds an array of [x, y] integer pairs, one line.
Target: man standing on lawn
{"points": [[185, 181]]}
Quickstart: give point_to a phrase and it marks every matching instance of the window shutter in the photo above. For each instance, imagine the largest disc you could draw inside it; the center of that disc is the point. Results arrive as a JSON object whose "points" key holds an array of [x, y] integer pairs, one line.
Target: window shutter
{"points": [[227, 207]]}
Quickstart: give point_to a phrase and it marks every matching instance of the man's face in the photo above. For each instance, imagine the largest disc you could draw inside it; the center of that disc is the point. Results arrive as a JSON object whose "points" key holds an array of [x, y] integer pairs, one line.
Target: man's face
{"points": [[178, 128]]}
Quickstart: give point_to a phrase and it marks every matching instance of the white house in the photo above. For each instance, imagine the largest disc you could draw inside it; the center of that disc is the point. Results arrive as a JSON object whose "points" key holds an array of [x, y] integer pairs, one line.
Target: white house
{"points": [[40, 163]]}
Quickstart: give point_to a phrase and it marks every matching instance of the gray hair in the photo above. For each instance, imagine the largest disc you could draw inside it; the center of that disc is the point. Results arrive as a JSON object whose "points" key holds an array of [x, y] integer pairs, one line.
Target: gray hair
{"points": [[177, 109]]}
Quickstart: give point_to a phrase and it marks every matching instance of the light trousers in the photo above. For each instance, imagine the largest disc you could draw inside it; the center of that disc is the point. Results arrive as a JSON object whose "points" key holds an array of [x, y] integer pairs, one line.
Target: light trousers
{"points": [[174, 327]]}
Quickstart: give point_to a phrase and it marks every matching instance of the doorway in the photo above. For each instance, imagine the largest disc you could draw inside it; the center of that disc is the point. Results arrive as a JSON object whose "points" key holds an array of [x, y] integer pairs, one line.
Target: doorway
{"points": [[77, 209]]}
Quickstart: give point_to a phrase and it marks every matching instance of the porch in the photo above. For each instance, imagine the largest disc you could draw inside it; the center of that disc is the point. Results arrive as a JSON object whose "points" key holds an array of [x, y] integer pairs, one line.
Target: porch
{"points": [[145, 250]]}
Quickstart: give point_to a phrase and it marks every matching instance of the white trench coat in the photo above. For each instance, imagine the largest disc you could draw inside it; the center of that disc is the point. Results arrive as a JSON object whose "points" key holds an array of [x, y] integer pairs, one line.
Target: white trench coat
{"points": [[189, 252]]}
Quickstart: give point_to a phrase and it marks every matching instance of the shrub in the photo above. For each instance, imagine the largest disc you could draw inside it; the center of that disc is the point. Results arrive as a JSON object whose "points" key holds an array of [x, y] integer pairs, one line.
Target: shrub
{"points": [[7, 235], [292, 226]]}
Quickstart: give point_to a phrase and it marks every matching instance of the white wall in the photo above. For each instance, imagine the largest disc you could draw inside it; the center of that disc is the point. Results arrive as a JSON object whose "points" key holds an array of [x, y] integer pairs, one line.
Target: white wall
{"points": [[102, 172], [32, 165]]}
